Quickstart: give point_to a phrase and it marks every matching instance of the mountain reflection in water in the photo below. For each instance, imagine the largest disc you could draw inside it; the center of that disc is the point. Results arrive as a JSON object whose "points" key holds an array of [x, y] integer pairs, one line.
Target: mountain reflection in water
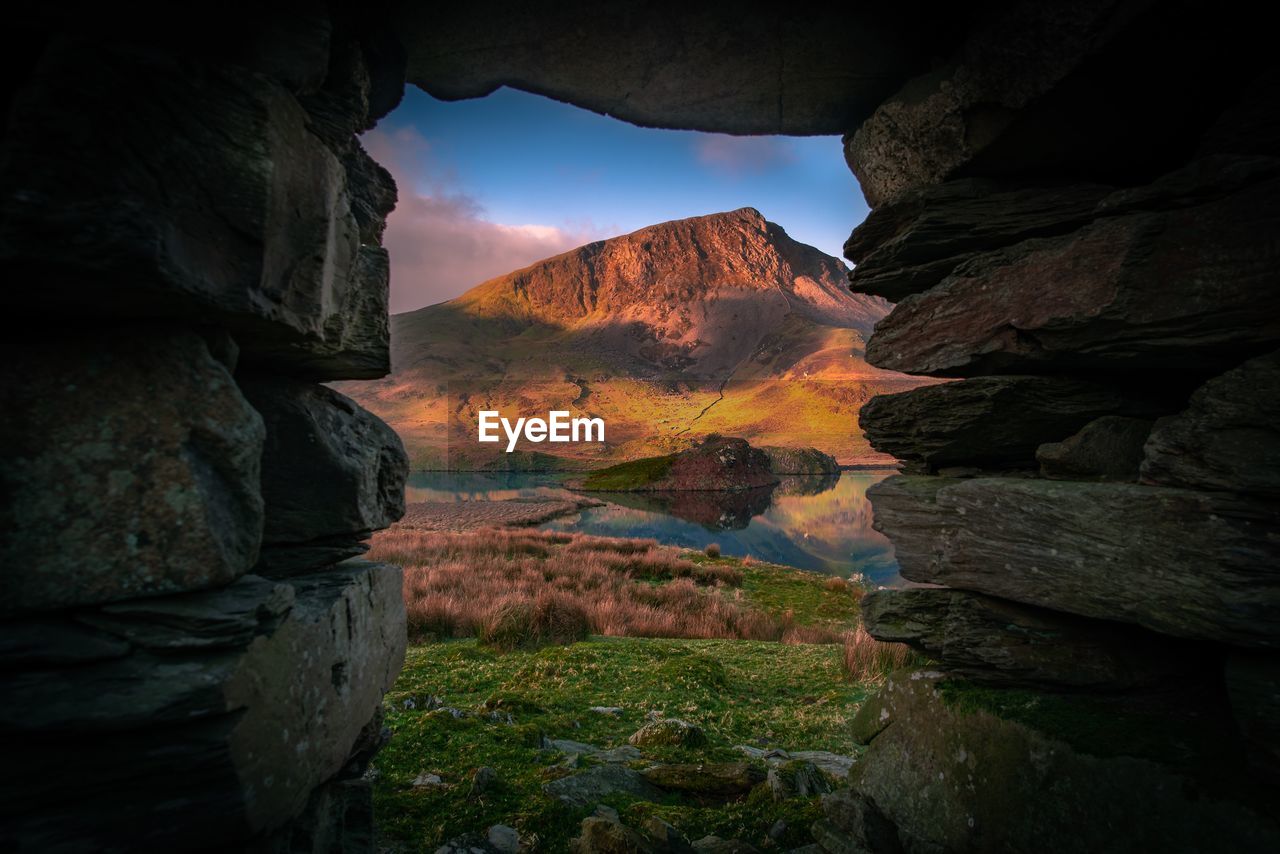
{"points": [[816, 523]]}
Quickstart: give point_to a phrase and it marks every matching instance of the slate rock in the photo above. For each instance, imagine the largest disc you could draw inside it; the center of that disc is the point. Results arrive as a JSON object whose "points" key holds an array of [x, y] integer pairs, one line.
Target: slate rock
{"points": [[854, 823], [705, 778], [587, 787], [916, 775], [912, 244], [332, 473], [994, 641], [205, 729], [942, 120], [665, 836], [797, 779], [1094, 301], [1187, 563], [131, 469], [608, 836], [1228, 437], [1107, 448], [338, 817], [141, 187], [56, 641], [669, 732], [994, 422]]}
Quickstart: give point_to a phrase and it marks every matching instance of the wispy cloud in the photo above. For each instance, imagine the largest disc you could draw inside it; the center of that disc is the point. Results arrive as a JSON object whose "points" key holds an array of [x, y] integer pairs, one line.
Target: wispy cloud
{"points": [[440, 242], [743, 155]]}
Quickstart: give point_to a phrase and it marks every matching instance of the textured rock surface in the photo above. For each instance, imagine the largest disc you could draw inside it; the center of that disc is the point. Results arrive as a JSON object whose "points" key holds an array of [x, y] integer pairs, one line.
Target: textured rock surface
{"points": [[701, 68], [994, 422], [940, 121], [587, 787], [954, 776], [994, 641], [131, 469], [1228, 438], [332, 473], [705, 778], [200, 727], [1109, 448], [914, 243], [797, 779], [196, 192], [1094, 300], [668, 732], [1180, 562]]}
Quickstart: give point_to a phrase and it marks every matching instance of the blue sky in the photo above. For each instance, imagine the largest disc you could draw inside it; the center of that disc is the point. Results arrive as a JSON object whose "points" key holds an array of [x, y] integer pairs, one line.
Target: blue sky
{"points": [[496, 183]]}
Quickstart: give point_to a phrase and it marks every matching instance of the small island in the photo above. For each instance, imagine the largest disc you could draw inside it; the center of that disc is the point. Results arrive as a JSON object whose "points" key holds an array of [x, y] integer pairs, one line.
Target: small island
{"points": [[718, 463]]}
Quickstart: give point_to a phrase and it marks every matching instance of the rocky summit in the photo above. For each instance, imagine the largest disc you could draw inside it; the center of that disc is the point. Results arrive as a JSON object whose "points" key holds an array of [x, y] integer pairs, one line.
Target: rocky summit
{"points": [[713, 323]]}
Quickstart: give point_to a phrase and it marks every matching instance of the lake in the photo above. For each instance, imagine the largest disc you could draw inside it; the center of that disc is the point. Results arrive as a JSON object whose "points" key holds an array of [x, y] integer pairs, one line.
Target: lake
{"points": [[821, 524]]}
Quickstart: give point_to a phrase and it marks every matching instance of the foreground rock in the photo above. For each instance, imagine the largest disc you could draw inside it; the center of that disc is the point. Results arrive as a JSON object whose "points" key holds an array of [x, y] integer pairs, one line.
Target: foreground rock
{"points": [[588, 787], [1185, 563], [668, 732], [719, 464], [1109, 448], [939, 732], [705, 778], [993, 422], [914, 243], [241, 217], [1228, 438], [114, 490], [995, 641], [332, 474], [830, 763], [204, 704], [1089, 301], [797, 779]]}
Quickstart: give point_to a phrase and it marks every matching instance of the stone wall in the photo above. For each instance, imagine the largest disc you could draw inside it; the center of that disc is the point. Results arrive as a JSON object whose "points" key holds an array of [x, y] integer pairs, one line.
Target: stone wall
{"points": [[1096, 492], [193, 655]]}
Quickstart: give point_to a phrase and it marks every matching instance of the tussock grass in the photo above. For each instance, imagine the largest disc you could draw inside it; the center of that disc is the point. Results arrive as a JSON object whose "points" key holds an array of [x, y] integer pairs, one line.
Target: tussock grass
{"points": [[525, 588], [867, 660]]}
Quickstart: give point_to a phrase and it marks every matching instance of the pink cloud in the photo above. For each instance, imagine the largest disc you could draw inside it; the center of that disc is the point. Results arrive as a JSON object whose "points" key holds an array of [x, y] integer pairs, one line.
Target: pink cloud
{"points": [[440, 243], [743, 155]]}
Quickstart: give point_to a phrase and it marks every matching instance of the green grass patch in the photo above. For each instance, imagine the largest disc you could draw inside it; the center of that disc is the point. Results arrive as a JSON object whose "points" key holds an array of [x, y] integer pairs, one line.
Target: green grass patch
{"points": [[737, 691], [779, 589], [635, 474]]}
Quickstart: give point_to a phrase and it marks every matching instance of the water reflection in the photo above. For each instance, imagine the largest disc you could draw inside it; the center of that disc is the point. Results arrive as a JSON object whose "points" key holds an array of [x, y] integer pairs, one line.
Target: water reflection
{"points": [[817, 523]]}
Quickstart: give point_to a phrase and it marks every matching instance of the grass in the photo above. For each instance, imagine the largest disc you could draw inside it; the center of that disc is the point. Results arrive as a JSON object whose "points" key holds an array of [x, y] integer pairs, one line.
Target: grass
{"points": [[522, 631], [740, 692], [629, 475], [549, 585]]}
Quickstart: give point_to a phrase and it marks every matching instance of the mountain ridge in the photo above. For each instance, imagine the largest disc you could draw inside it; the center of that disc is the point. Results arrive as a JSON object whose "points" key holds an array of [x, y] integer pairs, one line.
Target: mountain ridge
{"points": [[673, 330]]}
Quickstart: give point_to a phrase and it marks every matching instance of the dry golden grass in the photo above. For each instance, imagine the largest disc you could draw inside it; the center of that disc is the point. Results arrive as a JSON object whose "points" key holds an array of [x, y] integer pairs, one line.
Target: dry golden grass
{"points": [[869, 660], [514, 588]]}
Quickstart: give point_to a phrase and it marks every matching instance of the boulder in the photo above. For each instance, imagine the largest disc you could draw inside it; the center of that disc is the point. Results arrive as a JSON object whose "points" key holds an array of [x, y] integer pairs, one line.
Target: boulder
{"points": [[716, 845], [994, 641], [587, 787], [668, 732], [992, 422], [910, 245], [705, 778], [1107, 448], [1093, 300], [1186, 563], [854, 824], [1228, 437], [332, 473], [960, 768], [797, 779], [485, 781], [601, 835], [131, 469], [193, 192], [233, 735], [338, 817]]}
